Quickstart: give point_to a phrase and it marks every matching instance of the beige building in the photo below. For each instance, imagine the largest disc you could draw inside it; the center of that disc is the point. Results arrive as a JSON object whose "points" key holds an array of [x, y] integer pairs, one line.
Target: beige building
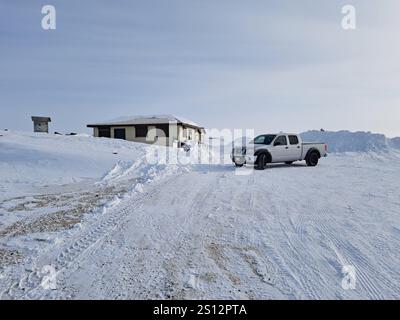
{"points": [[165, 130]]}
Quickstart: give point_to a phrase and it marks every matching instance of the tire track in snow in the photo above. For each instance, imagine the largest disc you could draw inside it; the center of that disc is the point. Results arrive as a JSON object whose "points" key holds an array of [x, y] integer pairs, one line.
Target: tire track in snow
{"points": [[29, 284], [322, 220], [305, 268], [181, 248], [320, 216], [246, 248], [296, 248], [160, 280]]}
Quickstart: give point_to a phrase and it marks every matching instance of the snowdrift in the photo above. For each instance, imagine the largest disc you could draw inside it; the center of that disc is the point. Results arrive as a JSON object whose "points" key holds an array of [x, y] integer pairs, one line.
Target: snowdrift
{"points": [[346, 141], [29, 160]]}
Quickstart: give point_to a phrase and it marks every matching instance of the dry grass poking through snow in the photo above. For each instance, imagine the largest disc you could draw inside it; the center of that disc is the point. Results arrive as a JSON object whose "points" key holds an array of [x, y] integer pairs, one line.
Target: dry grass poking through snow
{"points": [[8, 257], [78, 204], [81, 204]]}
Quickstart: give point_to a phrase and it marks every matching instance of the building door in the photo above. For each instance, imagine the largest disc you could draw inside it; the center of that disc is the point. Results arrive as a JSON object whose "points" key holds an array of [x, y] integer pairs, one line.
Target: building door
{"points": [[120, 134], [104, 133]]}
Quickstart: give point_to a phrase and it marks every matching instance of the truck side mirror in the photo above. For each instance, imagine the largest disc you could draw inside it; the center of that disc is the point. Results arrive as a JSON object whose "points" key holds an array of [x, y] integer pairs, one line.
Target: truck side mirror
{"points": [[277, 143]]}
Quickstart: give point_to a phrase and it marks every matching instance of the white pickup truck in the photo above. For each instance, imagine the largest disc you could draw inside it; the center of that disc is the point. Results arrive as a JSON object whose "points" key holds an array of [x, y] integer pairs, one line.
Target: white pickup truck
{"points": [[281, 147]]}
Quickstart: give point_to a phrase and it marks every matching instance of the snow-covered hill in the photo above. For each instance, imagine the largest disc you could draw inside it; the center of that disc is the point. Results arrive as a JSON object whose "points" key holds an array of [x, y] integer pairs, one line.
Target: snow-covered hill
{"points": [[346, 141]]}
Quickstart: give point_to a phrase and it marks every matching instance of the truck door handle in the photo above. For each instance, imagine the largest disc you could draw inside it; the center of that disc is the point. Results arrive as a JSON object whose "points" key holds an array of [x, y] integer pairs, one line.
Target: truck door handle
{"points": [[298, 147], [286, 147]]}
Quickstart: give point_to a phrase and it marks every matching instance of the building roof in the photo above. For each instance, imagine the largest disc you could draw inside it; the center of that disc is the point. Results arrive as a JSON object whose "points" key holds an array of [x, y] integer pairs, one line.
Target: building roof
{"points": [[41, 119], [153, 119]]}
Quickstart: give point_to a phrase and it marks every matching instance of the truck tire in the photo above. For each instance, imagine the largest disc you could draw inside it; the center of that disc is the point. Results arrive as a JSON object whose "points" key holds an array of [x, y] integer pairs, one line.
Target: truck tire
{"points": [[239, 165], [289, 162], [312, 159], [261, 161]]}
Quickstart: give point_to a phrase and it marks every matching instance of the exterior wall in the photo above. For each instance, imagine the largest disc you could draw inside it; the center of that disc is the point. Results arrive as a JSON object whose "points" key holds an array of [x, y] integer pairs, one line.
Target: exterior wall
{"points": [[201, 135], [160, 141], [41, 127], [186, 132], [173, 134], [190, 134], [180, 133]]}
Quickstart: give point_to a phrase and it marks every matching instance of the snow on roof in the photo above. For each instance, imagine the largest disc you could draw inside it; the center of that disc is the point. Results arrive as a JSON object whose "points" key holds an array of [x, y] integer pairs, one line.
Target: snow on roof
{"points": [[152, 119]]}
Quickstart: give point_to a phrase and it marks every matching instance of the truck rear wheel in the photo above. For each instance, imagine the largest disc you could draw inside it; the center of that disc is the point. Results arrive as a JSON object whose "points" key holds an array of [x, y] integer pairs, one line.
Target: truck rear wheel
{"points": [[261, 162], [312, 159]]}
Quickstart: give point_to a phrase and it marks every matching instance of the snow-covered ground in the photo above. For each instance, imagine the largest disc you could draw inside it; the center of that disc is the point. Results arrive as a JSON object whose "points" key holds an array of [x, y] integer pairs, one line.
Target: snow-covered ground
{"points": [[111, 225]]}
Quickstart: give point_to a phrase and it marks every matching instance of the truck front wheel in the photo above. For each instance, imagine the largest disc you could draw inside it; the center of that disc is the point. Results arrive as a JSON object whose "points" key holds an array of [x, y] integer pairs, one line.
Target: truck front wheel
{"points": [[312, 159], [261, 161]]}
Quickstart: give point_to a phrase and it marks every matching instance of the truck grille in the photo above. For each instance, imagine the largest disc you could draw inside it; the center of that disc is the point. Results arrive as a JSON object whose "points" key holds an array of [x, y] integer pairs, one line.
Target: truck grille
{"points": [[239, 151]]}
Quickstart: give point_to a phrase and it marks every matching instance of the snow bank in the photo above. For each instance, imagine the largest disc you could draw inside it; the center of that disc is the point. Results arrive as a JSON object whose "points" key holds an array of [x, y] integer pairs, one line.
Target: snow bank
{"points": [[395, 143], [156, 163], [346, 141], [32, 159]]}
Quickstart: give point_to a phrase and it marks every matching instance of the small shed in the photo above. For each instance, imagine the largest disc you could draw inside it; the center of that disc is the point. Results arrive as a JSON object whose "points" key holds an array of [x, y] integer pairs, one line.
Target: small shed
{"points": [[41, 124]]}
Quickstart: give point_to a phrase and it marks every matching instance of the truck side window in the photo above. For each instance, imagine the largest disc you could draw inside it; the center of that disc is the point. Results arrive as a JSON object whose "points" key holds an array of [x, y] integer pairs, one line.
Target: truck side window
{"points": [[259, 140], [293, 140], [280, 141]]}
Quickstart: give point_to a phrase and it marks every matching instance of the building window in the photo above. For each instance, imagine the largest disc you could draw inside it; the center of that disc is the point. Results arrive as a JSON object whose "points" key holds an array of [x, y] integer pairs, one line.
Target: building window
{"points": [[141, 131], [164, 128]]}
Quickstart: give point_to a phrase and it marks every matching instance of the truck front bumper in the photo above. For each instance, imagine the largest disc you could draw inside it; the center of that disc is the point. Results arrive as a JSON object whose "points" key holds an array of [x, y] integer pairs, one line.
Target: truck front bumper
{"points": [[250, 159], [239, 159]]}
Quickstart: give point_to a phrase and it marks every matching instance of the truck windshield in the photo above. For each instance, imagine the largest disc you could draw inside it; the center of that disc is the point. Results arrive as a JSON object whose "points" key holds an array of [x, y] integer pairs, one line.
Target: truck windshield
{"points": [[263, 139]]}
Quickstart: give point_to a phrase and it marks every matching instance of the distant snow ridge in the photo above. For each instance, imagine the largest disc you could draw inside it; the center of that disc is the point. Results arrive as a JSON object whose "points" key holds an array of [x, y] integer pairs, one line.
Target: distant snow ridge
{"points": [[346, 141], [395, 143]]}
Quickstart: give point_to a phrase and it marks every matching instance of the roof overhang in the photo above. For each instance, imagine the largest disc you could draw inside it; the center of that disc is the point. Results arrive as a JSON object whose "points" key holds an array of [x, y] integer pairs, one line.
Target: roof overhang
{"points": [[41, 119]]}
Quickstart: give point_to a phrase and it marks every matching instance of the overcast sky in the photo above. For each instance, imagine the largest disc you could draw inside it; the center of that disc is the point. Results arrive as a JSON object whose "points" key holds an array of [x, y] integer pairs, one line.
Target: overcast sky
{"points": [[268, 65]]}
